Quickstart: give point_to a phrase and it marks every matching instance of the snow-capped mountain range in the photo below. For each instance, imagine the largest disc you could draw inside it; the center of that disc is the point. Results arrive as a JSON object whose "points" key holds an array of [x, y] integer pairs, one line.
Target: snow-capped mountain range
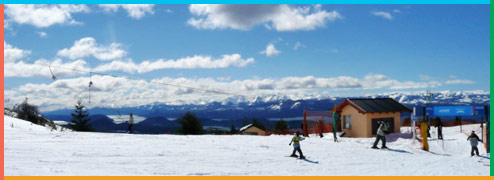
{"points": [[282, 106], [239, 111]]}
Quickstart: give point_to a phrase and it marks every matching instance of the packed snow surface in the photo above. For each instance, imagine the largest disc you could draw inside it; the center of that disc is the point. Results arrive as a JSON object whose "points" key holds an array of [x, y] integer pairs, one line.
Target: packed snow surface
{"points": [[35, 150]]}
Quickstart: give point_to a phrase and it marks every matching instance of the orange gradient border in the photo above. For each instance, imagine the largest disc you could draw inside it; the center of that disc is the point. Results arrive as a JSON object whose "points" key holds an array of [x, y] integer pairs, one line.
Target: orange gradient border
{"points": [[1, 86]]}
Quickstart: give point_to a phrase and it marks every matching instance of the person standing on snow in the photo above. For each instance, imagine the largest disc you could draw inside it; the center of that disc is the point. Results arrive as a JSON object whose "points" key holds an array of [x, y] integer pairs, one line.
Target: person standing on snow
{"points": [[439, 127], [381, 135], [474, 141], [296, 145], [131, 122]]}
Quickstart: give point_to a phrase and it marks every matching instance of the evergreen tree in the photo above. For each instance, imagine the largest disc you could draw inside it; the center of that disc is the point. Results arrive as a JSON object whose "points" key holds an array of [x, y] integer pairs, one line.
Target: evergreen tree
{"points": [[436, 120], [258, 124], [80, 120], [245, 121], [281, 125], [232, 129], [28, 112], [457, 121], [190, 124]]}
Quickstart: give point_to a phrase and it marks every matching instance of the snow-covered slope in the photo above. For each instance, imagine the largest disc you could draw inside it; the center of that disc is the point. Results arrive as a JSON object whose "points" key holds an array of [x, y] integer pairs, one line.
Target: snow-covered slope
{"points": [[33, 150], [22, 126]]}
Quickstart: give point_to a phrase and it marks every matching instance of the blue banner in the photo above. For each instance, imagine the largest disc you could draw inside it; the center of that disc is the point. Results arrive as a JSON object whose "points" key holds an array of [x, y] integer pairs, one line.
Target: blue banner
{"points": [[453, 111], [429, 111], [479, 110]]}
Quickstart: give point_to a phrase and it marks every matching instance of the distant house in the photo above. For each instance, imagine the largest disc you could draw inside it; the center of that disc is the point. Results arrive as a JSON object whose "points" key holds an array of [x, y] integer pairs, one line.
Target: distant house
{"points": [[360, 117], [251, 129]]}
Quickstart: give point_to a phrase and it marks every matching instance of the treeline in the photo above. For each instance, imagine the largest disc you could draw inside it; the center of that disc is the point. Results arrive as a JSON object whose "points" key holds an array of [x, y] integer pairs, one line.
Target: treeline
{"points": [[189, 123]]}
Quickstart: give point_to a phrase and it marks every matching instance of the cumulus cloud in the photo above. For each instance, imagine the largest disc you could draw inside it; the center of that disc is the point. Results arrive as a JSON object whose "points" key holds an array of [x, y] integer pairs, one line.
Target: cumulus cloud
{"points": [[270, 50], [108, 90], [11, 53], [136, 11], [243, 17], [42, 16], [40, 68], [385, 15], [193, 62], [88, 47]]}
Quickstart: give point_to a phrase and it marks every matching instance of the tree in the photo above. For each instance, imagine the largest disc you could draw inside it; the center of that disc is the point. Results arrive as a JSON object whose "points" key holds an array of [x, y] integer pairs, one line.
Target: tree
{"points": [[258, 124], [28, 112], [437, 119], [80, 120], [281, 125], [457, 121], [232, 129], [190, 124]]}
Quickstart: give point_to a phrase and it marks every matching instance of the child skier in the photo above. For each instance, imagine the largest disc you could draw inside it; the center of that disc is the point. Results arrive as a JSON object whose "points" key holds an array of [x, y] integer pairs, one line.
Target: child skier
{"points": [[381, 135], [474, 141], [296, 145]]}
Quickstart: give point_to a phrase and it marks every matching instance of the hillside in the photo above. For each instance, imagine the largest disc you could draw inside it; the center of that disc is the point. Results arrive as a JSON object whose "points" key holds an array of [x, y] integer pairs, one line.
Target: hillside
{"points": [[33, 150]]}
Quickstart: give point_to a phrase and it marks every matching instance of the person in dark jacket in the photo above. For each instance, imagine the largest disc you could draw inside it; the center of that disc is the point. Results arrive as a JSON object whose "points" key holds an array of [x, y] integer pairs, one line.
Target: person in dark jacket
{"points": [[296, 145], [131, 123], [381, 135], [439, 127], [474, 141]]}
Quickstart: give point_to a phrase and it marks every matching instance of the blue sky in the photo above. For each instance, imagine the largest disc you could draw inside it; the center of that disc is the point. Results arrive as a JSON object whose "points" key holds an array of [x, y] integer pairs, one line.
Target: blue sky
{"points": [[316, 50]]}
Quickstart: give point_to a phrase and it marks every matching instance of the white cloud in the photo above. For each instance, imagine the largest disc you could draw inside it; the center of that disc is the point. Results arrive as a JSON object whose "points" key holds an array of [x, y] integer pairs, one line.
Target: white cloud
{"points": [[243, 17], [110, 91], [88, 47], [270, 50], [459, 81], [193, 62], [396, 11], [136, 11], [42, 34], [382, 14], [455, 80], [12, 53], [42, 16], [298, 45], [40, 68], [334, 51]]}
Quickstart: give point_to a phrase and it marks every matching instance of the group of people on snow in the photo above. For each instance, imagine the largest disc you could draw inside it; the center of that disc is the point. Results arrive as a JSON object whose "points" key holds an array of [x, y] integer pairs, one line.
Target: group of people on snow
{"points": [[381, 133]]}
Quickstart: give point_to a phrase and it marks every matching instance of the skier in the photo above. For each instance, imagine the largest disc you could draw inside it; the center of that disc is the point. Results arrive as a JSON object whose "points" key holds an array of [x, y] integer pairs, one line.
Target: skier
{"points": [[381, 135], [296, 145], [439, 127], [131, 122], [474, 141]]}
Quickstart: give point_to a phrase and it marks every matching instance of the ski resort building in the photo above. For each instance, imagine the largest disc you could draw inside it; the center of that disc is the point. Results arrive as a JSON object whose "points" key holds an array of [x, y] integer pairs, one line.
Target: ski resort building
{"points": [[360, 117], [251, 129]]}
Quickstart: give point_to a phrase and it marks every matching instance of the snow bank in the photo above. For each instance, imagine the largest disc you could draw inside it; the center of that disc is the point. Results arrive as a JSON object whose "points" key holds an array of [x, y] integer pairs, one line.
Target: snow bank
{"points": [[32, 150]]}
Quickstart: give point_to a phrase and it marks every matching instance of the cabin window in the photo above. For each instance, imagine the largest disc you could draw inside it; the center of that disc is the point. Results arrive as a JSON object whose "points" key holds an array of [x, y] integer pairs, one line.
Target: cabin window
{"points": [[347, 121]]}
